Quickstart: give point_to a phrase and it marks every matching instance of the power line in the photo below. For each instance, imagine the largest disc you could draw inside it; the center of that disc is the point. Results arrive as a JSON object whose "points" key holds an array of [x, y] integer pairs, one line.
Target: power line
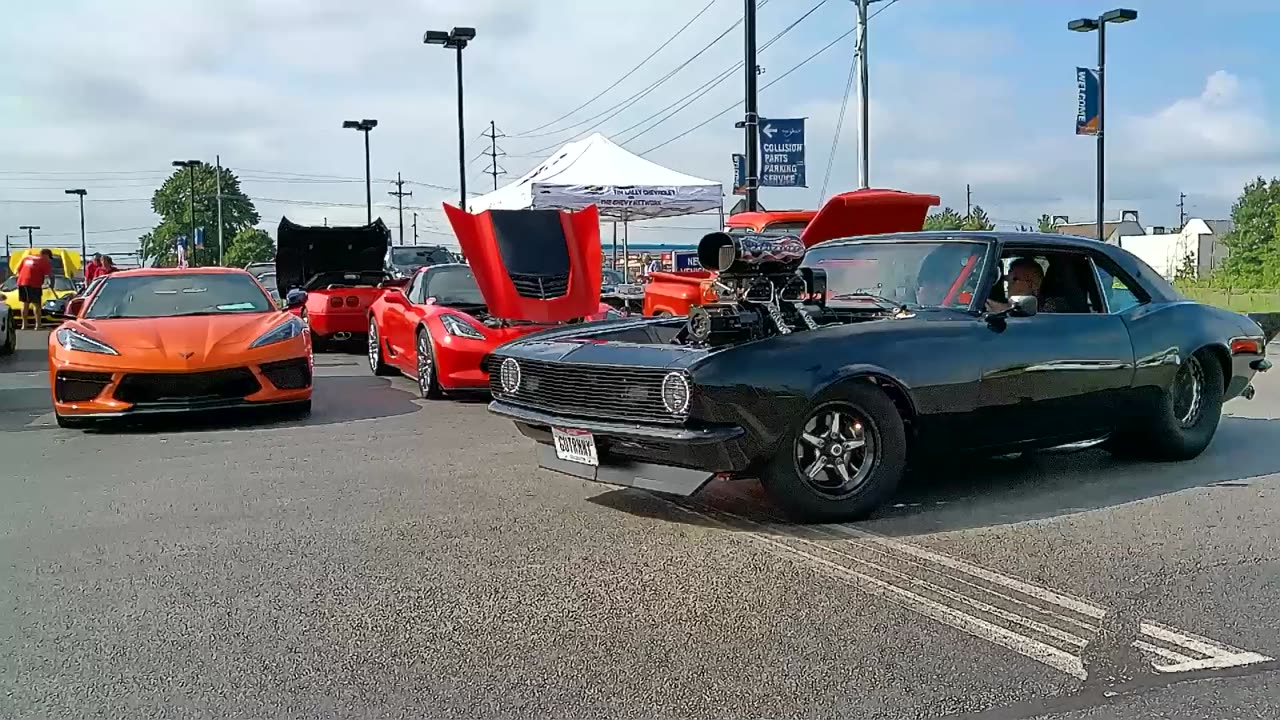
{"points": [[768, 85], [835, 140], [711, 84], [400, 194], [632, 71], [618, 109]]}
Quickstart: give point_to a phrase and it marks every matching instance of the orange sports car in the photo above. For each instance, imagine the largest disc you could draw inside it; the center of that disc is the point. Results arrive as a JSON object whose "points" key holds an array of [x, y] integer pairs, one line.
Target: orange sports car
{"points": [[177, 340]]}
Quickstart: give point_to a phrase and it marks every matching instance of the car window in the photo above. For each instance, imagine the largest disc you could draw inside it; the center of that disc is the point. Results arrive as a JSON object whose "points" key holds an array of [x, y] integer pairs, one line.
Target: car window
{"points": [[916, 274], [1120, 296], [63, 283], [10, 283], [415, 289], [454, 286]]}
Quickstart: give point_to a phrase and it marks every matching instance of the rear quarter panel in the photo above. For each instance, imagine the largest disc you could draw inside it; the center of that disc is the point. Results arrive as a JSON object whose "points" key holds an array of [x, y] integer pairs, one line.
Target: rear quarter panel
{"points": [[1164, 331]]}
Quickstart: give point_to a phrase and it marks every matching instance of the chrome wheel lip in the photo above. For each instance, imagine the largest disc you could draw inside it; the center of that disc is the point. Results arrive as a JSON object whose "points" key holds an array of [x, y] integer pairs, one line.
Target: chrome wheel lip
{"points": [[836, 450], [1189, 391], [425, 365], [375, 348]]}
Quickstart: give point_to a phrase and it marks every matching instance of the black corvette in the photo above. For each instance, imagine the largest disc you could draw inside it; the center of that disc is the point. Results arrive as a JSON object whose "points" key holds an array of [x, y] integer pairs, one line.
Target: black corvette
{"points": [[825, 371]]}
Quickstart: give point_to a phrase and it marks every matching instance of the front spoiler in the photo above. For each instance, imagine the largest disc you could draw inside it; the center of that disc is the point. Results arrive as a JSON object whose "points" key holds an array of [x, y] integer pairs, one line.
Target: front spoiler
{"points": [[179, 408], [666, 459]]}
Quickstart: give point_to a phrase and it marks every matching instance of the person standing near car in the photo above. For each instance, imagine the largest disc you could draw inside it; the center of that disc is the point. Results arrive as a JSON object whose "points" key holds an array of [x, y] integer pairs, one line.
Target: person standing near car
{"points": [[108, 266], [35, 272], [93, 269]]}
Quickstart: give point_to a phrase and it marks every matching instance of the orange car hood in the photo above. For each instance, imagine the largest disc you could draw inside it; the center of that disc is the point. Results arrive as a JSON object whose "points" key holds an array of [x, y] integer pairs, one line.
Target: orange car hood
{"points": [[190, 340]]}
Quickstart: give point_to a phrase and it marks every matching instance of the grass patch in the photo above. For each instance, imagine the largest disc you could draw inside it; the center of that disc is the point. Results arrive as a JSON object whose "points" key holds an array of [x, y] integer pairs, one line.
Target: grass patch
{"points": [[1241, 301]]}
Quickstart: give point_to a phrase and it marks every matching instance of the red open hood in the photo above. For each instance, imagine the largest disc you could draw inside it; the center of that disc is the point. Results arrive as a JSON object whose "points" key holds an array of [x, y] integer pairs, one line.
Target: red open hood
{"points": [[535, 265], [868, 212]]}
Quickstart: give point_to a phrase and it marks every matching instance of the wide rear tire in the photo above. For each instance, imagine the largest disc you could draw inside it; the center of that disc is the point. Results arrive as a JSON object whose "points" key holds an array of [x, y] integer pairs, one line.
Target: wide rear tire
{"points": [[1187, 416], [428, 378], [377, 361], [842, 460]]}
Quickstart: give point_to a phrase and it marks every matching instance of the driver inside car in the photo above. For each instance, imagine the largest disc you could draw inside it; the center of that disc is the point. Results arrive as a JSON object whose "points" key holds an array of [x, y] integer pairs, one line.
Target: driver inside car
{"points": [[1025, 277], [941, 275]]}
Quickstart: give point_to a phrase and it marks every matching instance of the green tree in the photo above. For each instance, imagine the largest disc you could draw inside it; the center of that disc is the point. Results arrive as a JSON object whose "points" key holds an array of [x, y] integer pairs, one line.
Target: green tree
{"points": [[944, 219], [172, 202], [1186, 272], [249, 246], [977, 220], [1254, 240], [1046, 224]]}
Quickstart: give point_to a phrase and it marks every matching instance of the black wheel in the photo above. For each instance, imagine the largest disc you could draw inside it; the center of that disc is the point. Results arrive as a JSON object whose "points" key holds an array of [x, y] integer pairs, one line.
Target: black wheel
{"points": [[376, 361], [9, 343], [1188, 415], [428, 380], [843, 460], [71, 423]]}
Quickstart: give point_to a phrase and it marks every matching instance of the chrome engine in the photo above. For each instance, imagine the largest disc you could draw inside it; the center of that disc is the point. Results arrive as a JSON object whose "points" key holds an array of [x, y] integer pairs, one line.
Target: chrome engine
{"points": [[762, 288]]}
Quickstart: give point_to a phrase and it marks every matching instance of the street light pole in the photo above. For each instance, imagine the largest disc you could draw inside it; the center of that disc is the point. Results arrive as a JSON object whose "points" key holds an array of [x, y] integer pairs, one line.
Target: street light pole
{"points": [[365, 126], [84, 249], [456, 39], [1099, 24], [31, 243], [190, 165]]}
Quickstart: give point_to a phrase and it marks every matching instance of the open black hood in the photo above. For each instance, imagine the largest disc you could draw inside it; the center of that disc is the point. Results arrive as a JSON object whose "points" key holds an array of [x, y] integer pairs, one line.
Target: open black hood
{"points": [[303, 251]]}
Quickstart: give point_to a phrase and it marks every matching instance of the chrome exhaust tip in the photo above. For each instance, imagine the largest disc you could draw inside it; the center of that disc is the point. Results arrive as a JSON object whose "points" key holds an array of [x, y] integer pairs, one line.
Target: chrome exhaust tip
{"points": [[1248, 392], [340, 336]]}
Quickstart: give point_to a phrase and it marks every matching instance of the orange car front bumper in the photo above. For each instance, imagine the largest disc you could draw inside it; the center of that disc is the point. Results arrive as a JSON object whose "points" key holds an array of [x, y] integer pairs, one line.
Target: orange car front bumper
{"points": [[87, 385]]}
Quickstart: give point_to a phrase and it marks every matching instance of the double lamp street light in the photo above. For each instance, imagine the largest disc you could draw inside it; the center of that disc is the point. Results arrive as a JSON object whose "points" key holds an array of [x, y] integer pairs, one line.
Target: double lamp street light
{"points": [[456, 39], [1099, 24]]}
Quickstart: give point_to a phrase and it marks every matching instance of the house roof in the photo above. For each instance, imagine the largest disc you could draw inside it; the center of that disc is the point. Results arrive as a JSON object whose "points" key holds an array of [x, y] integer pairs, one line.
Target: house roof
{"points": [[1089, 230], [1220, 227]]}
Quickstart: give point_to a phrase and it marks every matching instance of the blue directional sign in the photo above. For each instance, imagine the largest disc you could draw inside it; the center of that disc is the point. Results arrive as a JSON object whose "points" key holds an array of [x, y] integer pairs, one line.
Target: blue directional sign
{"points": [[782, 153]]}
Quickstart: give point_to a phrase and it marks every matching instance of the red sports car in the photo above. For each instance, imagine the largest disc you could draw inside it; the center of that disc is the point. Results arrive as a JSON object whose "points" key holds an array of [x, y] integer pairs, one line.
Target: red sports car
{"points": [[330, 275], [528, 270]]}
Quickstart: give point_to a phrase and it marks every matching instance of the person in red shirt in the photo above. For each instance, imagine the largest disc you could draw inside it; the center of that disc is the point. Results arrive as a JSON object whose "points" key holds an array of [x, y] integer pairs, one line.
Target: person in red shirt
{"points": [[34, 273], [93, 269], [108, 266]]}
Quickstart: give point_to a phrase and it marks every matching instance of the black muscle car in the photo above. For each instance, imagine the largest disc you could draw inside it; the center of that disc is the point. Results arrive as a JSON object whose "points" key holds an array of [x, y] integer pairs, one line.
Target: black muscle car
{"points": [[825, 371]]}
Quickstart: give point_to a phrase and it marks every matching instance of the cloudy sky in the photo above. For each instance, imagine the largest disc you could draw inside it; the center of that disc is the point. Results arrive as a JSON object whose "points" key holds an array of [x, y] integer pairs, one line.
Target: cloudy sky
{"points": [[103, 95]]}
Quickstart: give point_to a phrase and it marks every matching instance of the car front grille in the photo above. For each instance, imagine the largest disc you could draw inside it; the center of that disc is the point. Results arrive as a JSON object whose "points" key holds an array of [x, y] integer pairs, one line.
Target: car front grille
{"points": [[541, 287], [162, 388], [71, 386], [292, 374], [590, 391]]}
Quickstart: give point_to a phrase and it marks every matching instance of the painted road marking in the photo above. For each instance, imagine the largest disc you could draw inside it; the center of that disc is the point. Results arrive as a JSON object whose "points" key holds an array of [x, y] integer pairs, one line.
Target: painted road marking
{"points": [[1044, 625]]}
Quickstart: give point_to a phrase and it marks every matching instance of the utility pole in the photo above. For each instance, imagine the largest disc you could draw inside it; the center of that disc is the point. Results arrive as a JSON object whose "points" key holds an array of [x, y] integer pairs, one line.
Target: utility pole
{"points": [[84, 250], [218, 181], [399, 195], [751, 121], [31, 243], [968, 200], [494, 153], [415, 227], [6, 249], [1182, 210], [864, 133]]}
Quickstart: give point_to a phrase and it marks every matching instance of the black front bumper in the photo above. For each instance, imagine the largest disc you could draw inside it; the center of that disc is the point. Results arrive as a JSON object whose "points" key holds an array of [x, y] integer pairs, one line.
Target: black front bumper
{"points": [[668, 459], [172, 408]]}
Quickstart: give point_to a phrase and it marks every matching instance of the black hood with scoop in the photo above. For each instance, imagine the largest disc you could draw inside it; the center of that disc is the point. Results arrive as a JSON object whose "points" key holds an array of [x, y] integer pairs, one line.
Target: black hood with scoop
{"points": [[305, 251]]}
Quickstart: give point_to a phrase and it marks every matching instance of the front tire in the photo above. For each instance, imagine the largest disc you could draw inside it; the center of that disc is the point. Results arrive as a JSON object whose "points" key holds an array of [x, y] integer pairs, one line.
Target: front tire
{"points": [[843, 460], [428, 379], [1188, 414], [377, 363]]}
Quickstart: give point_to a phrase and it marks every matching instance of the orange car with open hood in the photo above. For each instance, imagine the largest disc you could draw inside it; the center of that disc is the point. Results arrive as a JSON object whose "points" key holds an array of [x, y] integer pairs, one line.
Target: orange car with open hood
{"points": [[156, 341]]}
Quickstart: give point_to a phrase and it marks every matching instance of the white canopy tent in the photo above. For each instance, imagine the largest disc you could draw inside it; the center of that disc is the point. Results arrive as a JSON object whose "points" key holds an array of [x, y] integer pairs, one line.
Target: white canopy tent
{"points": [[622, 185]]}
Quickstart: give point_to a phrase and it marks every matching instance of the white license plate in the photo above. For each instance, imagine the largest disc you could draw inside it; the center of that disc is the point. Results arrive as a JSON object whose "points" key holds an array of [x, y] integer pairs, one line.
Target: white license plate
{"points": [[577, 446]]}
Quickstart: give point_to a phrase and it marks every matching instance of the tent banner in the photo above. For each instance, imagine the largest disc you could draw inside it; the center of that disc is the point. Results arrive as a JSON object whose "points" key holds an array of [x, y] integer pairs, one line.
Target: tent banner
{"points": [[630, 200]]}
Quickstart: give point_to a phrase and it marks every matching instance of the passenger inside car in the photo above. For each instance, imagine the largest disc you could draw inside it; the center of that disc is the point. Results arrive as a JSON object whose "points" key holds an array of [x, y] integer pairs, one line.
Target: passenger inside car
{"points": [[1066, 286]]}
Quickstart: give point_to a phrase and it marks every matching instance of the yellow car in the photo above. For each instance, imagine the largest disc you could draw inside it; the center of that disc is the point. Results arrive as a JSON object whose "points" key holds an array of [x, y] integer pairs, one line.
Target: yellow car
{"points": [[66, 263], [62, 287]]}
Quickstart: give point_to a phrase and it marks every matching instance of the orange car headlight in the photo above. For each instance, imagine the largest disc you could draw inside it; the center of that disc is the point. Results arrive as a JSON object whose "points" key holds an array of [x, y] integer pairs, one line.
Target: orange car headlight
{"points": [[291, 329], [73, 340]]}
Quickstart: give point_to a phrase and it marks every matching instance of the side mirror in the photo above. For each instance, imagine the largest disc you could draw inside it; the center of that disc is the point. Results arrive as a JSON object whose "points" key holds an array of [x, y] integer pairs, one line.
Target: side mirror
{"points": [[296, 298], [396, 295], [74, 306], [1023, 306]]}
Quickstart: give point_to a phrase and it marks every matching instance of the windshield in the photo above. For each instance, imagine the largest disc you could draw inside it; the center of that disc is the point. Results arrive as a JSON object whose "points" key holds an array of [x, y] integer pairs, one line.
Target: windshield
{"points": [[915, 274], [59, 283], [454, 286], [10, 283], [612, 277], [416, 257], [169, 295]]}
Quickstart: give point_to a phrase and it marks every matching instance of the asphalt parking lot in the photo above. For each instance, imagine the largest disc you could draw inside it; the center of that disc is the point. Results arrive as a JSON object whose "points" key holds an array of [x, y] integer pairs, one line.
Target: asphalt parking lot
{"points": [[390, 557]]}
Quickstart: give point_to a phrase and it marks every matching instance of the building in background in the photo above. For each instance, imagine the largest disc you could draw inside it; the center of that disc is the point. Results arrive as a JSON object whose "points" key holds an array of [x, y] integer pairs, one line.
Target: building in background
{"points": [[1126, 226], [1194, 251]]}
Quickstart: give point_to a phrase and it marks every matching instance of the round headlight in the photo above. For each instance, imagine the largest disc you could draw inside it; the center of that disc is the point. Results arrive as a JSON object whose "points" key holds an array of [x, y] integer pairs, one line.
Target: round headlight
{"points": [[675, 393], [509, 374]]}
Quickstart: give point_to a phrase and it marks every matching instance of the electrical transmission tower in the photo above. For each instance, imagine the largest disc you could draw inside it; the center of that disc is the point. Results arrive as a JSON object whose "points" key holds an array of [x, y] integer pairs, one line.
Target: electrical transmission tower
{"points": [[494, 153]]}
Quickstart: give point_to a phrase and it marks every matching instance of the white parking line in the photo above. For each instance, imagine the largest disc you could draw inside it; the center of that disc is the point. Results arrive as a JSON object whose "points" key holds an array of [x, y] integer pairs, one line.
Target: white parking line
{"points": [[1034, 621]]}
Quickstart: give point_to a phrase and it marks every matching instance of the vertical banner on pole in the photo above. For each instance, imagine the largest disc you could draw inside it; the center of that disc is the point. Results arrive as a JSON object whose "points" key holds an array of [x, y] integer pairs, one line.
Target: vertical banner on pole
{"points": [[739, 174], [1087, 105]]}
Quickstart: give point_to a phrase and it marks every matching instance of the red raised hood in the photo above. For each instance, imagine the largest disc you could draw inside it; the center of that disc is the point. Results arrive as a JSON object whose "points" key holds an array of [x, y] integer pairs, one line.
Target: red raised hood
{"points": [[540, 266], [869, 211]]}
